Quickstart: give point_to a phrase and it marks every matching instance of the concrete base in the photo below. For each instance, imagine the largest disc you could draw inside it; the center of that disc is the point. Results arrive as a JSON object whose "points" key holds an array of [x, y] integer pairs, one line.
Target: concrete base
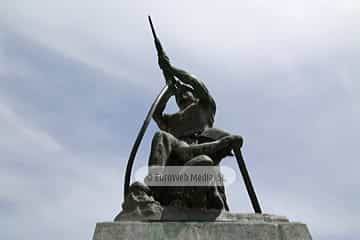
{"points": [[247, 227]]}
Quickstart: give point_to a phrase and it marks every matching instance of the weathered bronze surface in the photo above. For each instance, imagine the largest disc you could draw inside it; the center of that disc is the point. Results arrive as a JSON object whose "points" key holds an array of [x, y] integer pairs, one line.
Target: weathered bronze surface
{"points": [[185, 138]]}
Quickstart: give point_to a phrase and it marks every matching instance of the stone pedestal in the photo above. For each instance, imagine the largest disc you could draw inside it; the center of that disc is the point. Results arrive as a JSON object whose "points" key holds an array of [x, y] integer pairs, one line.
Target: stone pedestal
{"points": [[238, 226]]}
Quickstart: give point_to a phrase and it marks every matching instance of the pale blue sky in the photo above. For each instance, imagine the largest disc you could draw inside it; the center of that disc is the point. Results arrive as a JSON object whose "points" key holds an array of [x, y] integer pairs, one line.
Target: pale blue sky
{"points": [[76, 80]]}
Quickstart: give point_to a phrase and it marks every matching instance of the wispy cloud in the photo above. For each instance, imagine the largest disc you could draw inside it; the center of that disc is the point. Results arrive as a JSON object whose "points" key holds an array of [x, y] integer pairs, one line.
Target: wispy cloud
{"points": [[78, 77]]}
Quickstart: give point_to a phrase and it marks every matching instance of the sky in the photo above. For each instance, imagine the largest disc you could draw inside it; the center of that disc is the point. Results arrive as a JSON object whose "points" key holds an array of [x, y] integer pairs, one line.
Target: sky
{"points": [[77, 78]]}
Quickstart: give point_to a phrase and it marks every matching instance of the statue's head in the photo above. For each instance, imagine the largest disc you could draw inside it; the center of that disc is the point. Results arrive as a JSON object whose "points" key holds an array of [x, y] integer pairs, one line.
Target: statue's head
{"points": [[184, 97]]}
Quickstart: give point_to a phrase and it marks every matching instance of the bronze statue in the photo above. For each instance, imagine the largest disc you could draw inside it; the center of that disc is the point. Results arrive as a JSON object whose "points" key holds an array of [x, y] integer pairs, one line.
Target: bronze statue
{"points": [[186, 138], [182, 131]]}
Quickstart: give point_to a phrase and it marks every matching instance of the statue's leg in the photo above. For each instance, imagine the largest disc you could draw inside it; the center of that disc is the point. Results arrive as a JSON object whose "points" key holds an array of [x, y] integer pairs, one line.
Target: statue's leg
{"points": [[208, 149], [201, 160], [161, 147], [218, 191], [206, 196]]}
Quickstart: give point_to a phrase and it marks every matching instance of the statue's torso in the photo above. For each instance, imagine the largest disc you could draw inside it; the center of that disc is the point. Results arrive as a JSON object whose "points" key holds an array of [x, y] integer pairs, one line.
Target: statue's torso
{"points": [[191, 121]]}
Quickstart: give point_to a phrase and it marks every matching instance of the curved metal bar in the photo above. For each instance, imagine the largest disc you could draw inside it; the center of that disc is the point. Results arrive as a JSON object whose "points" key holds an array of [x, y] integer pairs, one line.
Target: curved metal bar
{"points": [[139, 139]]}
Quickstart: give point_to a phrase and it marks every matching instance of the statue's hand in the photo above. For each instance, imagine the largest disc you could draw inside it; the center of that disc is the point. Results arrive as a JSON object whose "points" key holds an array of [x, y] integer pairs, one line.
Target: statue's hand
{"points": [[234, 141], [164, 62], [237, 141], [172, 87]]}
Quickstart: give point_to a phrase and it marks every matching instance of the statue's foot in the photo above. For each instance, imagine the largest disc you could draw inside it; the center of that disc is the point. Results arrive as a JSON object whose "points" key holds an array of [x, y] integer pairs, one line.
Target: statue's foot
{"points": [[216, 201]]}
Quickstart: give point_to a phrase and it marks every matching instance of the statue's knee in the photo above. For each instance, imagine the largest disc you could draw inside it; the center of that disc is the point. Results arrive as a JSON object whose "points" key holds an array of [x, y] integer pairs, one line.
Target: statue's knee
{"points": [[162, 135], [201, 160], [205, 158], [159, 136]]}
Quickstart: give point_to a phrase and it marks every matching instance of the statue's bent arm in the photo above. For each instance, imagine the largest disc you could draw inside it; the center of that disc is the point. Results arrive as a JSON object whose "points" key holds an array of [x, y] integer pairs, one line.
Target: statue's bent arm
{"points": [[200, 89], [159, 116]]}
